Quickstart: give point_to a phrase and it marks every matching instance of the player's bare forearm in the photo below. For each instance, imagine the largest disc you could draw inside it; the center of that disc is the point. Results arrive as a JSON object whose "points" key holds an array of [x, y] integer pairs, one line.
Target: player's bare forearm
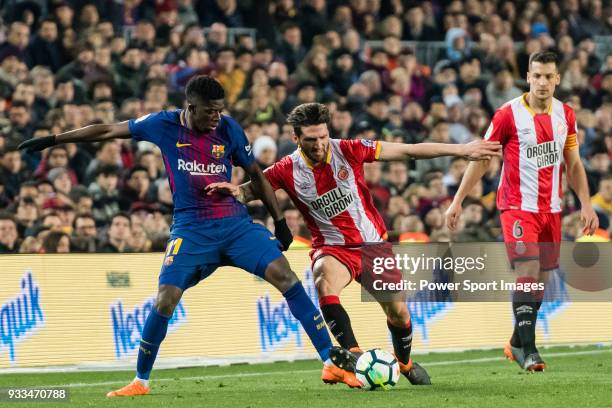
{"points": [[91, 133], [577, 179], [474, 172], [419, 151], [476, 150], [95, 133], [263, 190]]}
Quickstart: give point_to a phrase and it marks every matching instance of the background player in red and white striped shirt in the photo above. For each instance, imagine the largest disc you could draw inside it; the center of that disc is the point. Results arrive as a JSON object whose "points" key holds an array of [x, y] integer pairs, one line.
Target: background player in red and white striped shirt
{"points": [[324, 179], [538, 134]]}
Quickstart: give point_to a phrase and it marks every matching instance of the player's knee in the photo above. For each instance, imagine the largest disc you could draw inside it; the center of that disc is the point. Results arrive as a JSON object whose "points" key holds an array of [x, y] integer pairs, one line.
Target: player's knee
{"points": [[528, 268], [280, 275], [323, 286], [397, 315], [167, 299]]}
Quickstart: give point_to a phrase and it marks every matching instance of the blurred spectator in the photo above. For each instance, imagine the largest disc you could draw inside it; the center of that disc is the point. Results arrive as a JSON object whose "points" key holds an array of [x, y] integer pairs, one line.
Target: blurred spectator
{"points": [[118, 235], [8, 234], [56, 243], [26, 215], [231, 77], [13, 171], [45, 49], [501, 89], [105, 193], [138, 186], [264, 151], [416, 28], [30, 245], [84, 234], [602, 200], [474, 228], [291, 50], [16, 42]]}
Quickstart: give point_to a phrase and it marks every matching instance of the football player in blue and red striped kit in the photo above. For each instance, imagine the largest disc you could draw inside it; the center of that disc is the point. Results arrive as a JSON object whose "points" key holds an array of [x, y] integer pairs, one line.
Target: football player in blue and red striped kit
{"points": [[199, 146]]}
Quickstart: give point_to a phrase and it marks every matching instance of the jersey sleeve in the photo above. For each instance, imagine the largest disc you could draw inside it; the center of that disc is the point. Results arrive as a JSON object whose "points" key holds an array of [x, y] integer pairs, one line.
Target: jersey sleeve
{"points": [[147, 127], [571, 142], [242, 154], [361, 150], [498, 129], [274, 174]]}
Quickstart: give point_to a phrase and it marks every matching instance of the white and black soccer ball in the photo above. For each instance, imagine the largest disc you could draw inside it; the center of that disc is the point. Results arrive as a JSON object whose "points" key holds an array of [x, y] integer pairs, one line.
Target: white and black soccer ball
{"points": [[377, 369]]}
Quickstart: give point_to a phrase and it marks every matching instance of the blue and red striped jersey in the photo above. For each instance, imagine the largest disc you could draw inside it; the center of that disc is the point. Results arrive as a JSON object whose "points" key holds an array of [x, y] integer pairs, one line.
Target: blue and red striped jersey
{"points": [[193, 160]]}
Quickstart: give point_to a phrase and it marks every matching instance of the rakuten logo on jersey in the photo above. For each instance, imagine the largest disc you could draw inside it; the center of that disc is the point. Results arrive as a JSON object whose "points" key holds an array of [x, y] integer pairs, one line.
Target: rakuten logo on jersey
{"points": [[198, 169], [333, 202], [544, 154]]}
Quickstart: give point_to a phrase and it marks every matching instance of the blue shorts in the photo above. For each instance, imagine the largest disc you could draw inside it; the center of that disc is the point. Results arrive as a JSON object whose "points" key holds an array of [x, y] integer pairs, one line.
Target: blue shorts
{"points": [[197, 248]]}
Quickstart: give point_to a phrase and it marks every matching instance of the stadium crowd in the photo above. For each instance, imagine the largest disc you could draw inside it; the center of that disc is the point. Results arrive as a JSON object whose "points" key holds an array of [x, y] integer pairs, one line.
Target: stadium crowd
{"points": [[67, 64]]}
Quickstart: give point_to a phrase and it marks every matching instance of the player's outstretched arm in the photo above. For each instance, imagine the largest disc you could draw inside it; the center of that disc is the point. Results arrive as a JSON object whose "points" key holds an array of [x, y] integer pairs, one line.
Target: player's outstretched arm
{"points": [[577, 180], [476, 150], [473, 173], [264, 191], [87, 134]]}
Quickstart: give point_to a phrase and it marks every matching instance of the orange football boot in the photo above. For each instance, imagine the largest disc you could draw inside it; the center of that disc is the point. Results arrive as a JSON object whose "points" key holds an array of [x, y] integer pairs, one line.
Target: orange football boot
{"points": [[333, 375], [133, 389]]}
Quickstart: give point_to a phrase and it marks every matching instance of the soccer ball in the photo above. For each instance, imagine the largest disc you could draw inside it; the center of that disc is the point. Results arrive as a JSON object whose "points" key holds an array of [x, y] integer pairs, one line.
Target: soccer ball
{"points": [[377, 369]]}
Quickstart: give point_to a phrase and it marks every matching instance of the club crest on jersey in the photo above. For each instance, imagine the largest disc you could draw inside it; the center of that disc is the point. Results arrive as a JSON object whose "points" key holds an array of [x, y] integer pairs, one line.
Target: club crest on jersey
{"points": [[343, 173], [333, 202], [561, 129], [544, 154], [367, 143], [218, 151]]}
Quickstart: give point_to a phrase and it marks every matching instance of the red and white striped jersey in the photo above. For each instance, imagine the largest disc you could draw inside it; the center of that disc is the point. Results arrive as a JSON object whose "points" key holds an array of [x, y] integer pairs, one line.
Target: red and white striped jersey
{"points": [[533, 146], [333, 196]]}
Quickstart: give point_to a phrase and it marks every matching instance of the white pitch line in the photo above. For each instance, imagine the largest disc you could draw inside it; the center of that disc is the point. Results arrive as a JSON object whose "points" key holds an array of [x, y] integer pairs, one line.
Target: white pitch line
{"points": [[266, 373]]}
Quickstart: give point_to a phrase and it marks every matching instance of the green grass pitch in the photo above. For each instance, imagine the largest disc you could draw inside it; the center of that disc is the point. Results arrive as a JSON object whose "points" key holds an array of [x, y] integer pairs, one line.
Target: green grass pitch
{"points": [[576, 377]]}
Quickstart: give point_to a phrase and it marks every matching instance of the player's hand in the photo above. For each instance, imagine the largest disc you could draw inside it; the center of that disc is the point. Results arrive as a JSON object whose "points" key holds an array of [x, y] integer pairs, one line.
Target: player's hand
{"points": [[482, 150], [223, 188], [452, 215], [37, 144], [589, 219], [282, 233]]}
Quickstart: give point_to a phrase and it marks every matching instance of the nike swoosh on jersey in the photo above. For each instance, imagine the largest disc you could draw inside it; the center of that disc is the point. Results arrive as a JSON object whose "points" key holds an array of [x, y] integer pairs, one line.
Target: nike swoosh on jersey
{"points": [[182, 144]]}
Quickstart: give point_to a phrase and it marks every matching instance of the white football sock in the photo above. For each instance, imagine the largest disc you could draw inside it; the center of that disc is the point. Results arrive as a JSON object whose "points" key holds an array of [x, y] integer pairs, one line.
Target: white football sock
{"points": [[143, 382]]}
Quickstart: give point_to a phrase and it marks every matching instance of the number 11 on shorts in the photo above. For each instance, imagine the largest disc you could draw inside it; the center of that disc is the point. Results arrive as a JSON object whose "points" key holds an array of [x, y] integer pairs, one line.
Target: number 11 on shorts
{"points": [[173, 248]]}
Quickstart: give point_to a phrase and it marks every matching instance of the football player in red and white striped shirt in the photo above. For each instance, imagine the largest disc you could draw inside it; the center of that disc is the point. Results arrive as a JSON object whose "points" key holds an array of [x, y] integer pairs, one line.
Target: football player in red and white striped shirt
{"points": [[538, 134], [324, 179]]}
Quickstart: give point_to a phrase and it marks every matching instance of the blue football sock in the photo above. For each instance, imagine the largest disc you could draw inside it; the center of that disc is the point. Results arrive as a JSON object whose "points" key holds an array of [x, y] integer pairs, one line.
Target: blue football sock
{"points": [[153, 333], [309, 316]]}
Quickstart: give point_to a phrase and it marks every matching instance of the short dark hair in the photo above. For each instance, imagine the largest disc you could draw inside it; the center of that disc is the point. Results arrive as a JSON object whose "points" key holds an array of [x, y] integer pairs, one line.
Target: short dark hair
{"points": [[544, 57], [204, 87], [288, 25], [82, 216], [308, 114], [606, 177], [19, 104], [7, 216], [122, 215], [107, 169], [47, 20], [135, 169]]}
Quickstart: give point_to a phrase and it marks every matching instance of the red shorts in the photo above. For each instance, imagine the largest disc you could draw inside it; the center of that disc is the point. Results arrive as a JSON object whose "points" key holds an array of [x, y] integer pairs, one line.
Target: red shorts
{"points": [[354, 258], [532, 236]]}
